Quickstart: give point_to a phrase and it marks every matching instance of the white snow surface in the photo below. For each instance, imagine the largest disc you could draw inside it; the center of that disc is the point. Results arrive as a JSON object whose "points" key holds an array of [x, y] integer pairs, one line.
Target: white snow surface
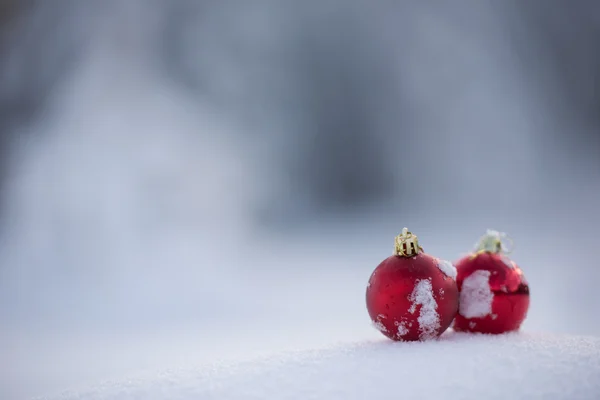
{"points": [[458, 366], [476, 296], [447, 268]]}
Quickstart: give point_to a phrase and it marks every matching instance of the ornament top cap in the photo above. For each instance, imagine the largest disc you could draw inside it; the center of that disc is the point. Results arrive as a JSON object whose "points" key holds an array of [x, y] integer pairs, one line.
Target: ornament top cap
{"points": [[494, 242], [406, 244]]}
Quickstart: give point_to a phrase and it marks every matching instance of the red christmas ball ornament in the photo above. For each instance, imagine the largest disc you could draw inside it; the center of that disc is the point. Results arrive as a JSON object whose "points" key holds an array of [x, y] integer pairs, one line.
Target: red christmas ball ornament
{"points": [[412, 295], [494, 294]]}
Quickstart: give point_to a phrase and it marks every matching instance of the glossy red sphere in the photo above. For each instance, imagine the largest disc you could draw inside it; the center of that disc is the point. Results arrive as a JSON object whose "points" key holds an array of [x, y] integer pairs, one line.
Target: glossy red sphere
{"points": [[494, 294], [412, 298]]}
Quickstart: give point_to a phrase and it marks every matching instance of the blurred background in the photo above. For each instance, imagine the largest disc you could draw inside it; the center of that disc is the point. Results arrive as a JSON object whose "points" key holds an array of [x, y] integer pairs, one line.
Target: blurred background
{"points": [[189, 181]]}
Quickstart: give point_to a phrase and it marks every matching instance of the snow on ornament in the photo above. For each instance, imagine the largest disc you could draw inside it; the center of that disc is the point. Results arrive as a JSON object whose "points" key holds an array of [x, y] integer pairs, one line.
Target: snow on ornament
{"points": [[476, 295], [412, 295], [494, 294]]}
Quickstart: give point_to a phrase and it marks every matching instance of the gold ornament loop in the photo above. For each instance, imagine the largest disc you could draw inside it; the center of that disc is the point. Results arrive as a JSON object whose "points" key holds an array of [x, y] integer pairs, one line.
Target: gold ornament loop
{"points": [[494, 242], [406, 244]]}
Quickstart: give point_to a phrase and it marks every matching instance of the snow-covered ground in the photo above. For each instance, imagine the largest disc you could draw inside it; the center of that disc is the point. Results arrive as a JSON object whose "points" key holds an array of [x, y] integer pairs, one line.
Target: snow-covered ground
{"points": [[240, 325], [459, 366]]}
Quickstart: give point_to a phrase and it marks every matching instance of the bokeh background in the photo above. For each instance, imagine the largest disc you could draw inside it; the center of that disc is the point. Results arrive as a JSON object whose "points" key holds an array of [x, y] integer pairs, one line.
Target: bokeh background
{"points": [[189, 181]]}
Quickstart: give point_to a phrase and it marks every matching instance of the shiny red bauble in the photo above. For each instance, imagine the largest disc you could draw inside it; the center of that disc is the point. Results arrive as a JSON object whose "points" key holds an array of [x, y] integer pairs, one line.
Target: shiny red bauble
{"points": [[412, 298], [494, 294]]}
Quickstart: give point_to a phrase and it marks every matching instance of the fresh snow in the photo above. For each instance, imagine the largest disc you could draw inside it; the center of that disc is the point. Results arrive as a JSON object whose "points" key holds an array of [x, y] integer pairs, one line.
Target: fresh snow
{"points": [[508, 262], [476, 296], [447, 268], [379, 326], [402, 329], [429, 320], [458, 366]]}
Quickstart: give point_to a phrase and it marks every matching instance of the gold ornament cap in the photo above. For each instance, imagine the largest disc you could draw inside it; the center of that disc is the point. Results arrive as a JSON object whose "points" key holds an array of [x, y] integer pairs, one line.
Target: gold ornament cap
{"points": [[406, 244], [494, 242]]}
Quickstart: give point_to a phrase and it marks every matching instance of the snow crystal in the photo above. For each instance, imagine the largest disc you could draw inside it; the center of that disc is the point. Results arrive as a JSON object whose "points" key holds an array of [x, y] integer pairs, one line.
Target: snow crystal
{"points": [[429, 320], [476, 296], [447, 268], [508, 262], [402, 329], [379, 326]]}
